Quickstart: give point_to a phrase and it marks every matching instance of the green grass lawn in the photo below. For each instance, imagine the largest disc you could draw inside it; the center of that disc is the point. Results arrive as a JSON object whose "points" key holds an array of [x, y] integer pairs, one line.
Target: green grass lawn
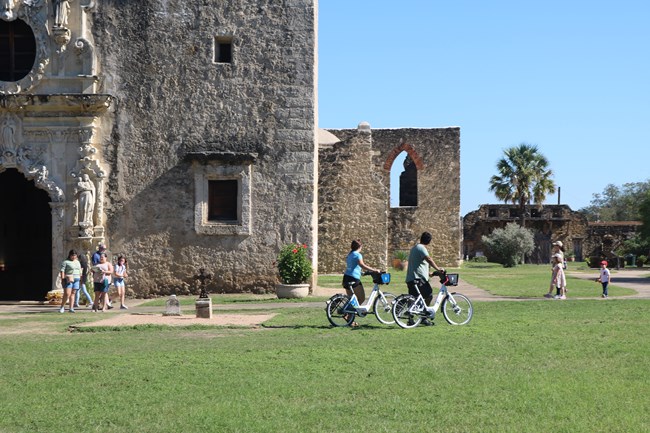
{"points": [[534, 280], [517, 367]]}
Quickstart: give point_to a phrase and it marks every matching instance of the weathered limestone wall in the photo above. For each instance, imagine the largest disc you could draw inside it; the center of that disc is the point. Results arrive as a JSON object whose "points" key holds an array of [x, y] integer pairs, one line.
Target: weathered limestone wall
{"points": [[436, 153], [352, 204], [157, 59]]}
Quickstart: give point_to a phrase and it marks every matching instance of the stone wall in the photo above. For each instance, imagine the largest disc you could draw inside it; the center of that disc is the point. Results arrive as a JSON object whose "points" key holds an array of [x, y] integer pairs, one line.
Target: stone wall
{"points": [[352, 204], [436, 155], [174, 101], [604, 238], [549, 224]]}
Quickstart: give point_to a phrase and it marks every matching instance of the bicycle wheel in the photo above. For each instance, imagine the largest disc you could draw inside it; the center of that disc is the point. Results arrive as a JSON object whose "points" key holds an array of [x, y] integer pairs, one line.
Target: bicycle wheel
{"points": [[335, 313], [383, 308], [458, 312], [401, 313]]}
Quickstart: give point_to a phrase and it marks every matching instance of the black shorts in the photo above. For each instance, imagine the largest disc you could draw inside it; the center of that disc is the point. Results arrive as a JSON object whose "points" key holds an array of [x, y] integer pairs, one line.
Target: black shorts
{"points": [[348, 279], [425, 288]]}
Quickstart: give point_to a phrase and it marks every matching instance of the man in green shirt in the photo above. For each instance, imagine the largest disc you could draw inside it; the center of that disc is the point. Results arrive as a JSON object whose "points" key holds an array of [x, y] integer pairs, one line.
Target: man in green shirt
{"points": [[418, 269]]}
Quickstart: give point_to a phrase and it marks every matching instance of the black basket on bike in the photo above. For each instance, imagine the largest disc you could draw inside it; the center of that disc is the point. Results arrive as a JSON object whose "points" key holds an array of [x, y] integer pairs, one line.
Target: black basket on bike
{"points": [[452, 280], [380, 277]]}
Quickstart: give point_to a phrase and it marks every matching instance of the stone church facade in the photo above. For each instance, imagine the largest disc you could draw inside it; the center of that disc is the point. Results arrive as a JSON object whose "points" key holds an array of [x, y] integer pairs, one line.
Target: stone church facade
{"points": [[183, 135]]}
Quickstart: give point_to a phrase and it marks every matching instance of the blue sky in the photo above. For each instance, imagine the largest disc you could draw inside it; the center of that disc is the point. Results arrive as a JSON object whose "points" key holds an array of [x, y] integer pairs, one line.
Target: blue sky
{"points": [[572, 77]]}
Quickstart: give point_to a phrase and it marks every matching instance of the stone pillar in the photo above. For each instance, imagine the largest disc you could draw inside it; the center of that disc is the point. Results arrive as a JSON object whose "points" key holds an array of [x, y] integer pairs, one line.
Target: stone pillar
{"points": [[58, 229], [203, 308]]}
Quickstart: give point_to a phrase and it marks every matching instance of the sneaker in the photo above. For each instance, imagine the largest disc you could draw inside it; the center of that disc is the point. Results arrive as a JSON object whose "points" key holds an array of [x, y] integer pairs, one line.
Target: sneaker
{"points": [[548, 295], [76, 305], [110, 307], [123, 307], [426, 322], [71, 310], [61, 310], [90, 305], [603, 295], [563, 297], [556, 297]]}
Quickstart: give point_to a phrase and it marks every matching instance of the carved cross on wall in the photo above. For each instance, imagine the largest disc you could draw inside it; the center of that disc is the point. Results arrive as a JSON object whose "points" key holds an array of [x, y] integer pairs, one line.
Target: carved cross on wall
{"points": [[202, 277]]}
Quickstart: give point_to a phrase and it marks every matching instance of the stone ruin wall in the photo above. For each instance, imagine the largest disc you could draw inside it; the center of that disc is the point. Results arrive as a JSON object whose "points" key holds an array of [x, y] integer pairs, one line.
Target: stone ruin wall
{"points": [[352, 204], [554, 222], [174, 100], [437, 155], [604, 238]]}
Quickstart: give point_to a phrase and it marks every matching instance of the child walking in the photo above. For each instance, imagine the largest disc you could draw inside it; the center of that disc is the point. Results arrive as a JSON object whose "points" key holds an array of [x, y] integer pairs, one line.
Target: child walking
{"points": [[120, 275], [605, 277]]}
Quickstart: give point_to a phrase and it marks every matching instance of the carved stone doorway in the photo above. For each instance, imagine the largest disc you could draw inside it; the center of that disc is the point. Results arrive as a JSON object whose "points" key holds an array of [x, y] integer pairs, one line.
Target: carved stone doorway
{"points": [[25, 239]]}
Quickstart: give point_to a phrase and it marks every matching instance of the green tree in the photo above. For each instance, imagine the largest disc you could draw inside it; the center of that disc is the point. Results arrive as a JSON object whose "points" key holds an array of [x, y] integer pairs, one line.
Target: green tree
{"points": [[617, 203], [523, 177], [509, 245], [644, 214]]}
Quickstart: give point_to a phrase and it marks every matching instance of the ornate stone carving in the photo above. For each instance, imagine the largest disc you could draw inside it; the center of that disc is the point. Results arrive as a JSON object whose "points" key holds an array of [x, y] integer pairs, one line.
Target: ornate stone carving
{"points": [[8, 10], [86, 193], [86, 52], [61, 36], [9, 131], [35, 15]]}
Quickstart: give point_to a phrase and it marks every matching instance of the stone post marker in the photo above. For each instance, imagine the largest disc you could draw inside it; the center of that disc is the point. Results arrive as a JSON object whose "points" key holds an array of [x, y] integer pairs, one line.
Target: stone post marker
{"points": [[203, 305], [173, 307]]}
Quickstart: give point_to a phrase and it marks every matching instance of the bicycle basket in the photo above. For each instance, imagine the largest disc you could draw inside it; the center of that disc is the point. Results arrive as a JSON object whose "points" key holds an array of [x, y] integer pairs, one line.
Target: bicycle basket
{"points": [[452, 280], [381, 278]]}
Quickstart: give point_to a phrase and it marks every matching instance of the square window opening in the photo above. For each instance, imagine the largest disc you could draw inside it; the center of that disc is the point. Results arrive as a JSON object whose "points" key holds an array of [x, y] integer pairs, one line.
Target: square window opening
{"points": [[223, 49]]}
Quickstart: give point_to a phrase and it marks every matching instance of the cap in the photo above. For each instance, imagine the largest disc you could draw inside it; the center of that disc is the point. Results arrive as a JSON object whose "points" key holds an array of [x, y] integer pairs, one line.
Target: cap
{"points": [[558, 243], [101, 245], [558, 255], [604, 262]]}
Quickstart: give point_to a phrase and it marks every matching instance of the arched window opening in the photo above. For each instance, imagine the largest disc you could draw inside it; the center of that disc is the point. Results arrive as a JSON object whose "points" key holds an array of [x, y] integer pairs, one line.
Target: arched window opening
{"points": [[17, 50], [403, 182]]}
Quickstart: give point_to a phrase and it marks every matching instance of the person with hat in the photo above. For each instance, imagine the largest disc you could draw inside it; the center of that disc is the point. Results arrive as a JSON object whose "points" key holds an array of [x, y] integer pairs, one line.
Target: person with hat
{"points": [[558, 250], [605, 277]]}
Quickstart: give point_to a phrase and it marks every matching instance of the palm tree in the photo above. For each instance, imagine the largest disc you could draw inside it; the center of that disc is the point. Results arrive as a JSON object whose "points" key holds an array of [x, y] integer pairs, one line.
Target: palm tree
{"points": [[523, 176]]}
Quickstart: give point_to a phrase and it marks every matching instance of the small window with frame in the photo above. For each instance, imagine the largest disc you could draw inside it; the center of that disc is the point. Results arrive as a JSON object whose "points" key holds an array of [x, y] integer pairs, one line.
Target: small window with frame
{"points": [[222, 196]]}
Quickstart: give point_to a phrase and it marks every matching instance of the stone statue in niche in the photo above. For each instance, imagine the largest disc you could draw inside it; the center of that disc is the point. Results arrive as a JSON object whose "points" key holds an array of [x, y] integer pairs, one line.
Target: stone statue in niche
{"points": [[61, 12], [8, 143], [87, 194]]}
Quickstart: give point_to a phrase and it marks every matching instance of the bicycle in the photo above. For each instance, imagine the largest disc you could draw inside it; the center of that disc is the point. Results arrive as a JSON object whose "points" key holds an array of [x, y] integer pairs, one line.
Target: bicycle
{"points": [[341, 309], [408, 310]]}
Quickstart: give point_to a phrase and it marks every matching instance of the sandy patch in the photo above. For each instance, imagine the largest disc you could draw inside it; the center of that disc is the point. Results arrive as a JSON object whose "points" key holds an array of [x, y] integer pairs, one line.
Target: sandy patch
{"points": [[158, 319]]}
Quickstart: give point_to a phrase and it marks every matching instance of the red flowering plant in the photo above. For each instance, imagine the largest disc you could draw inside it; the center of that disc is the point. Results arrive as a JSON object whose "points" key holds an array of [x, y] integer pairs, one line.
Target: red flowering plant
{"points": [[293, 264]]}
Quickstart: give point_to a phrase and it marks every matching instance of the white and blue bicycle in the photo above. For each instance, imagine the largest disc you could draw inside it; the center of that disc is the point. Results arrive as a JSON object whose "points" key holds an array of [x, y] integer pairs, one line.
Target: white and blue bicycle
{"points": [[342, 309], [409, 310]]}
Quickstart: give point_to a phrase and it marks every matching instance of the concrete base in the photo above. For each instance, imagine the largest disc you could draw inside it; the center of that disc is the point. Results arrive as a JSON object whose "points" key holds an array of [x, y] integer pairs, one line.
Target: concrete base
{"points": [[203, 308]]}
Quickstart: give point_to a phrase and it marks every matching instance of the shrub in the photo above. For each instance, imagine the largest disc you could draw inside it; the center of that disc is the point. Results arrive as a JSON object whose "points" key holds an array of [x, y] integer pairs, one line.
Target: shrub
{"points": [[509, 245], [641, 260], [294, 266], [401, 255], [479, 259]]}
